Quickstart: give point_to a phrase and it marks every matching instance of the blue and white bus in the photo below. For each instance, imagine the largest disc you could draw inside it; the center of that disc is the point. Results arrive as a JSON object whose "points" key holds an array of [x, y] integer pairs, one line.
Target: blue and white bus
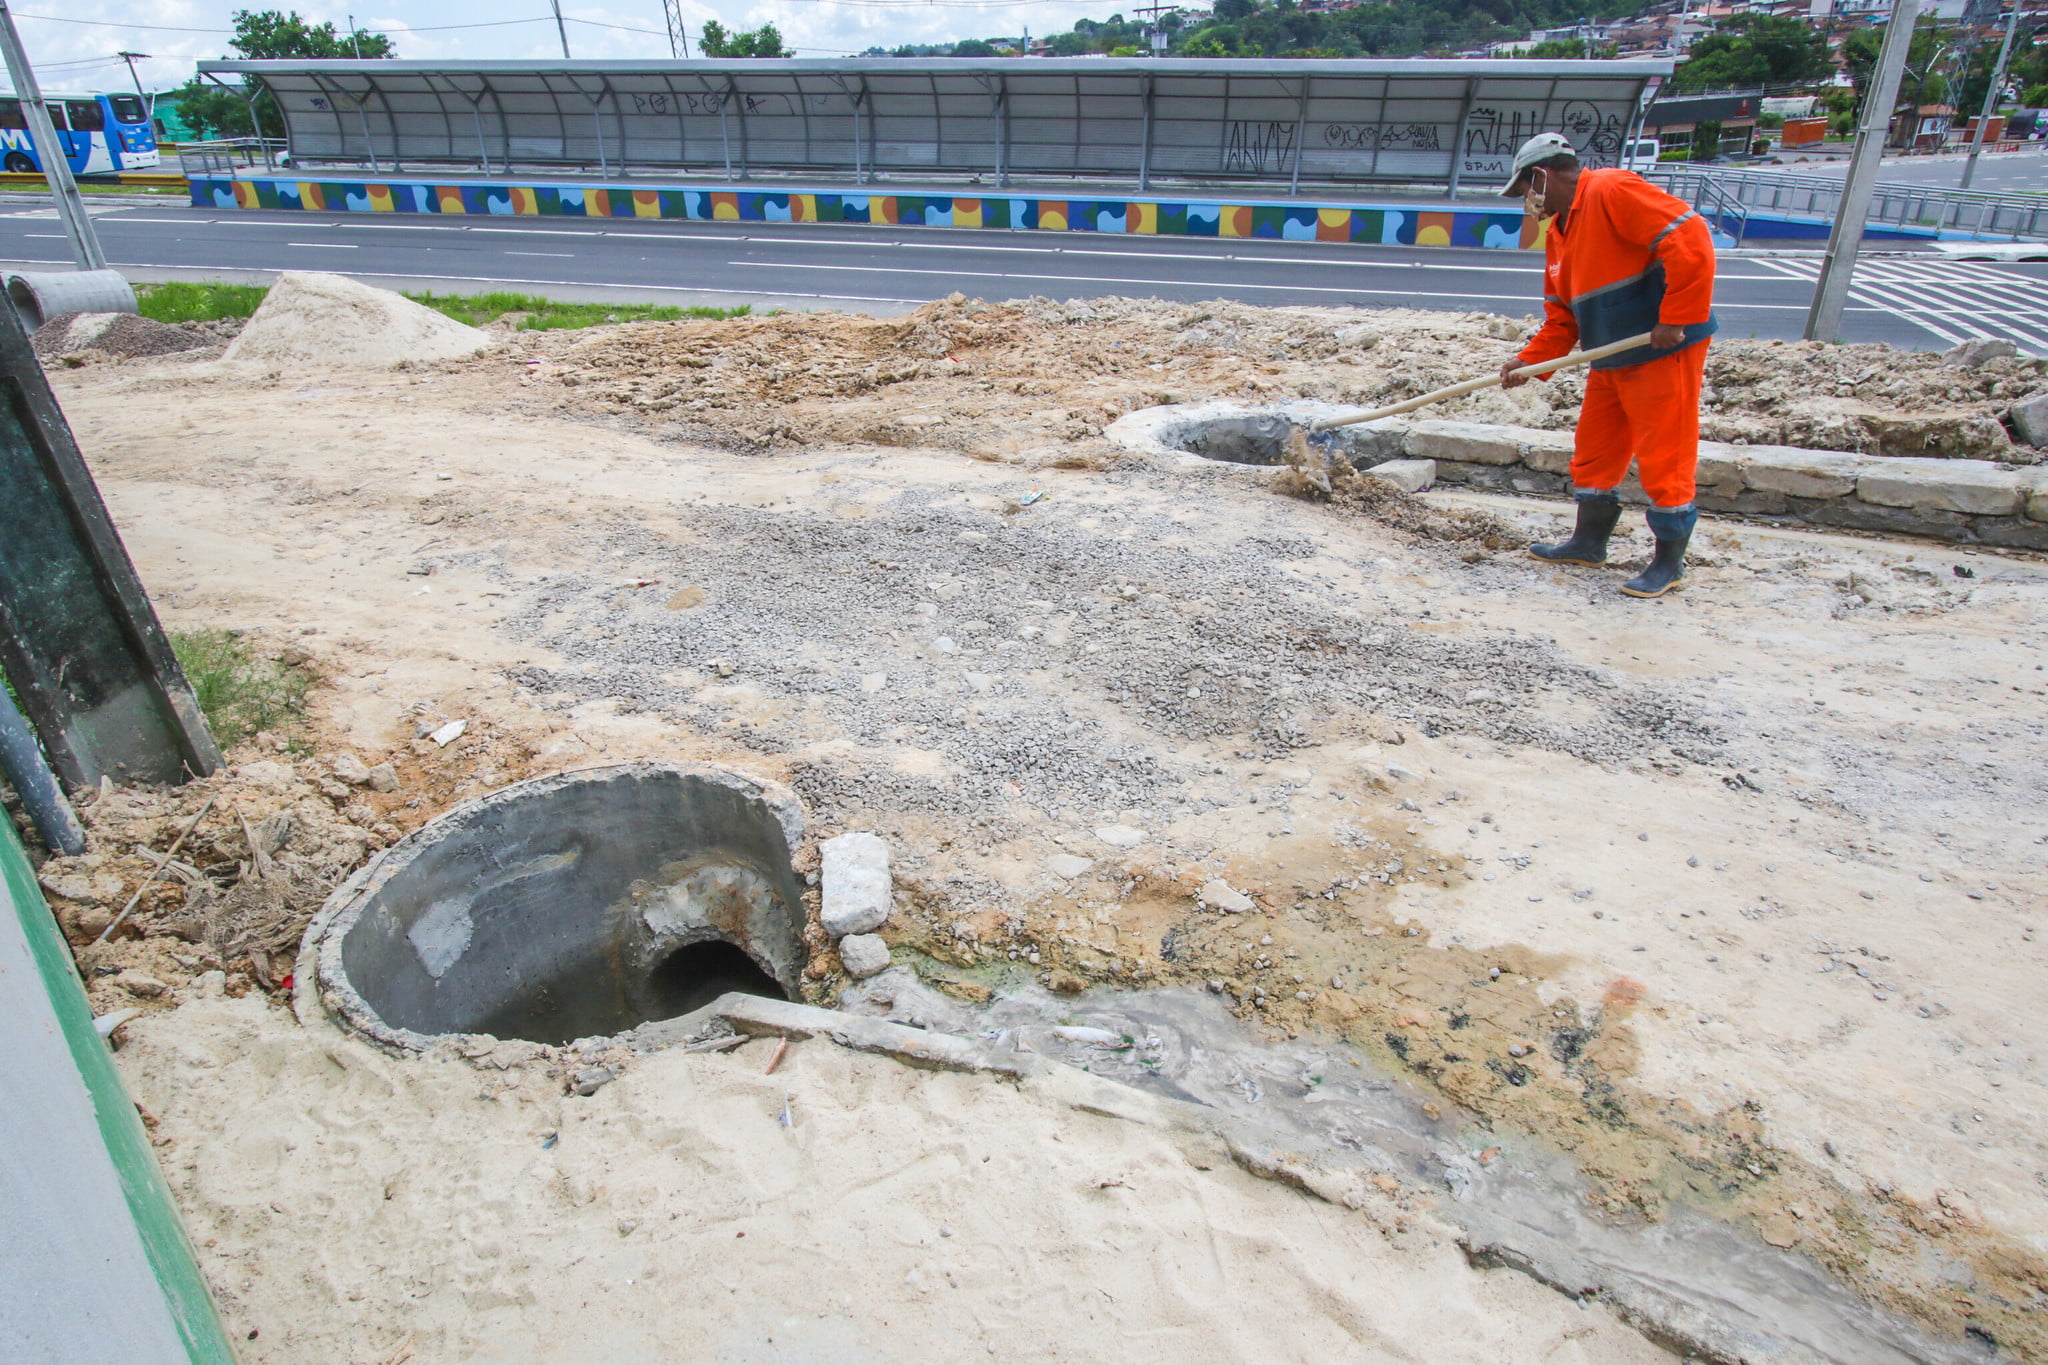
{"points": [[101, 134]]}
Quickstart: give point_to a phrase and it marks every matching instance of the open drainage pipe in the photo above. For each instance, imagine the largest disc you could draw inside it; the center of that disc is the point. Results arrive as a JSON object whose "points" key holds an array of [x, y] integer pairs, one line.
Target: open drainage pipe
{"points": [[573, 906]]}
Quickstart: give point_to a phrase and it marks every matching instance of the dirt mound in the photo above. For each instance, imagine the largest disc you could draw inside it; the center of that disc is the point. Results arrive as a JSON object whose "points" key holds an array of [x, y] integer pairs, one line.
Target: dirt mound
{"points": [[330, 320], [111, 336], [1002, 380]]}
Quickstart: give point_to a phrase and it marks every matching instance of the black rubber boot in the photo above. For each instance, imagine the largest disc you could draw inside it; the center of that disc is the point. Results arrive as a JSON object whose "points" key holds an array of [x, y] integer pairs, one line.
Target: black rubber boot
{"points": [[1672, 526], [1598, 511]]}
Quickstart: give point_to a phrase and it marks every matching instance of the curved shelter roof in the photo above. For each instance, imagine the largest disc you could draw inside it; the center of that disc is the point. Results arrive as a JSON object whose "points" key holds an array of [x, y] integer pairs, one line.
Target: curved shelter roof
{"points": [[1187, 119]]}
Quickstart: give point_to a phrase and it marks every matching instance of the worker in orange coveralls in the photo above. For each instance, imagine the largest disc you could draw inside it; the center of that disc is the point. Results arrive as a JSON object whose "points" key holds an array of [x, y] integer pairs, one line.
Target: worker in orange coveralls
{"points": [[1622, 258]]}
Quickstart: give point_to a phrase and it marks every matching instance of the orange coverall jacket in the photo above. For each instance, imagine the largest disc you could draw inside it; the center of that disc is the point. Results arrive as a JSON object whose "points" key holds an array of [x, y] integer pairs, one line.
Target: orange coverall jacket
{"points": [[1625, 257]]}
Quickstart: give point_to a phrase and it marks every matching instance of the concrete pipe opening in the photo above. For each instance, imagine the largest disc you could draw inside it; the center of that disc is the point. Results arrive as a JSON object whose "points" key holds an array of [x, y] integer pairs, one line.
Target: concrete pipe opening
{"points": [[1233, 434], [574, 906]]}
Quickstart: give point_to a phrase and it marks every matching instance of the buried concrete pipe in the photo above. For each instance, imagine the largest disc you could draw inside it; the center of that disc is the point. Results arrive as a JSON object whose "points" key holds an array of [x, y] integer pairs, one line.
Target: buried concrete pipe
{"points": [[578, 905]]}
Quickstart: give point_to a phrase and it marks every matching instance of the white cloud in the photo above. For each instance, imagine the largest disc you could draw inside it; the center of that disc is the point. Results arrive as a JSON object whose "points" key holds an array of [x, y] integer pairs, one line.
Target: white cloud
{"points": [[80, 55]]}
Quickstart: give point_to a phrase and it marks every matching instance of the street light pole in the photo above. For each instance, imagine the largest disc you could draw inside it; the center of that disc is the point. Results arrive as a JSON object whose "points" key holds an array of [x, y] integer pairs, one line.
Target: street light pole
{"points": [[85, 246], [1831, 292], [2012, 22], [561, 28]]}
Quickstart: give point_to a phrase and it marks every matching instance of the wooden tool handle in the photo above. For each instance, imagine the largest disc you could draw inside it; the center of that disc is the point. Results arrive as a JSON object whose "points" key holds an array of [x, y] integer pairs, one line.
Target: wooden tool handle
{"points": [[1565, 362]]}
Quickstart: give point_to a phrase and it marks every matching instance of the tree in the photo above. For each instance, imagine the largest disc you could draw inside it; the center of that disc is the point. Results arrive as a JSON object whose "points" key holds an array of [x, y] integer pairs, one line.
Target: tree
{"points": [[1752, 50], [973, 47], [1922, 83], [714, 40], [268, 35]]}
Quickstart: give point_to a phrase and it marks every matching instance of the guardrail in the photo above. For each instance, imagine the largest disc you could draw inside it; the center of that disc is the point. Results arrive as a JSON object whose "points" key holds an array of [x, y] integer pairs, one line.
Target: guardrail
{"points": [[228, 155], [1928, 208]]}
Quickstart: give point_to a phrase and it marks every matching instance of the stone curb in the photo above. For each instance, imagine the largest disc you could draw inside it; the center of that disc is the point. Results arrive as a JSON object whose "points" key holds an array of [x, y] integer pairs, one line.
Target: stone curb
{"points": [[1966, 501]]}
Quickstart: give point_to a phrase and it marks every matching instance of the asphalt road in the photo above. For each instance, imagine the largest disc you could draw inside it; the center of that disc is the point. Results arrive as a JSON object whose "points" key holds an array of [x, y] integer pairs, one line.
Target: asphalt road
{"points": [[2020, 172], [1915, 302]]}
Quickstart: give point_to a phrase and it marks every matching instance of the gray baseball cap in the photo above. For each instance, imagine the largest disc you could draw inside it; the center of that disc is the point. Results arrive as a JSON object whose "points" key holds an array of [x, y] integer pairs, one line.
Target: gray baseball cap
{"points": [[1541, 147]]}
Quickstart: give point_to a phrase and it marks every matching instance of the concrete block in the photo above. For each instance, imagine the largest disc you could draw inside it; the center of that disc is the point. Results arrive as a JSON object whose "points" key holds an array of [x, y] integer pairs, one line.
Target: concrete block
{"points": [[1721, 468], [1974, 486], [854, 890], [1469, 442], [1803, 473], [1410, 476], [1744, 504], [1501, 478], [1910, 521], [2034, 488], [2014, 533], [1548, 452], [863, 955], [2030, 419], [1370, 443]]}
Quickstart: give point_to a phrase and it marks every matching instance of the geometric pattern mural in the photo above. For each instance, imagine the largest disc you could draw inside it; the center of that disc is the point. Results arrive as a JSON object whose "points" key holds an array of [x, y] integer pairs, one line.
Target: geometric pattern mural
{"points": [[1381, 224]]}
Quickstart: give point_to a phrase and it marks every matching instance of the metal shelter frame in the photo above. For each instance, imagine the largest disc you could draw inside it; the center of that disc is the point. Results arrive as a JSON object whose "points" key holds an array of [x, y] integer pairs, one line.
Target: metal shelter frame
{"points": [[862, 120]]}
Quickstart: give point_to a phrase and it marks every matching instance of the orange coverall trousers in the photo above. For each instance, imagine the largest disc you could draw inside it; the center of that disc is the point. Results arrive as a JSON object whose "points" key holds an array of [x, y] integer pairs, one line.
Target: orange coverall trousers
{"points": [[1650, 412]]}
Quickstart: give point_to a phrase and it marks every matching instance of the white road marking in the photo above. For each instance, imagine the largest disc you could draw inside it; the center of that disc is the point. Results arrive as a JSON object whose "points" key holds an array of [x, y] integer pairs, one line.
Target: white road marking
{"points": [[326, 246]]}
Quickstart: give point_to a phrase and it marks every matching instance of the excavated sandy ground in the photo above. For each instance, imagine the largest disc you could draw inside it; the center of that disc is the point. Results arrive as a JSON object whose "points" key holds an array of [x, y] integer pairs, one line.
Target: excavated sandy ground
{"points": [[1734, 896]]}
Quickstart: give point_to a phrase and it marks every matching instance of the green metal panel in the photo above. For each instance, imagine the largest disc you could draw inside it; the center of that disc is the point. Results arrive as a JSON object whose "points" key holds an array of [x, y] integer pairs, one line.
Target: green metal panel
{"points": [[167, 1251], [78, 637]]}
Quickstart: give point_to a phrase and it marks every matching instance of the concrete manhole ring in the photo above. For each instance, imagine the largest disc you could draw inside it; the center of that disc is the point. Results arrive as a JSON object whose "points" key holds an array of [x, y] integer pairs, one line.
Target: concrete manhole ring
{"points": [[577, 905], [1198, 436]]}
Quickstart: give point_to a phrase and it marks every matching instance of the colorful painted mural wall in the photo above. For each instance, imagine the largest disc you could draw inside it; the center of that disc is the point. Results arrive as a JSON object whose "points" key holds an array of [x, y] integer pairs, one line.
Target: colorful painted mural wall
{"points": [[1383, 224]]}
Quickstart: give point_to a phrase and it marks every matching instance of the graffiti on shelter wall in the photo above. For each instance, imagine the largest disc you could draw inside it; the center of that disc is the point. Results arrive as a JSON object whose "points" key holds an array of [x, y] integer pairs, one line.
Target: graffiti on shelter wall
{"points": [[1493, 132], [1256, 147], [1377, 137]]}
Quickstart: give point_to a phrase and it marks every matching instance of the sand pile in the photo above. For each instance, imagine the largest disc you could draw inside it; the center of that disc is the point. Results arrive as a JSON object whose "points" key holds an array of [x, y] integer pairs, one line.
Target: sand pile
{"points": [[330, 320], [81, 338], [1001, 379]]}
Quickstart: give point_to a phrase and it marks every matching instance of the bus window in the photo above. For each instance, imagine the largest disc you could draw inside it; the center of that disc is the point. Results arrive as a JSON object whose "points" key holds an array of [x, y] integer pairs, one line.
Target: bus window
{"points": [[86, 116], [127, 109], [57, 118], [11, 115]]}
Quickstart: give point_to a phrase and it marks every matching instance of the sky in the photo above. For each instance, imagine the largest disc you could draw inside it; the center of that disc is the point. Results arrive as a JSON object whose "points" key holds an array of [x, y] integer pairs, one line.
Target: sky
{"points": [[73, 43]]}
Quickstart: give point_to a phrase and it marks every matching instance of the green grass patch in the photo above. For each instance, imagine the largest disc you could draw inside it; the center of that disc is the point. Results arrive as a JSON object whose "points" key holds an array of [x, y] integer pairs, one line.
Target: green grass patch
{"points": [[548, 315], [242, 693], [181, 301]]}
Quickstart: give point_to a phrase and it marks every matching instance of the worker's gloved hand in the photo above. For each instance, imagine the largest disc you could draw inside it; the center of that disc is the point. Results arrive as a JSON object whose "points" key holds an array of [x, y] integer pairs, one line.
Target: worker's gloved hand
{"points": [[1508, 378], [1666, 335]]}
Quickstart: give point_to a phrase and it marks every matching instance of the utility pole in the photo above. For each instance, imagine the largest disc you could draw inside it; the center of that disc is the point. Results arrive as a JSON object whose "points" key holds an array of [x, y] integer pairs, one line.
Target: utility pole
{"points": [[132, 58], [678, 37], [85, 246], [561, 28], [2012, 21], [1824, 318], [354, 39]]}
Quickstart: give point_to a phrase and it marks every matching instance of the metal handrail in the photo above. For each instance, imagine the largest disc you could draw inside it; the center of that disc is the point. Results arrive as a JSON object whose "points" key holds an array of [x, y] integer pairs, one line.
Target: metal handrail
{"points": [[1980, 213], [224, 156]]}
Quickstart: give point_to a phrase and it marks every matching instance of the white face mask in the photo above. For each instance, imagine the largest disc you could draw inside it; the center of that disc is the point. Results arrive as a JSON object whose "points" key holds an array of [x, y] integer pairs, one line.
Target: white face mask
{"points": [[1532, 196]]}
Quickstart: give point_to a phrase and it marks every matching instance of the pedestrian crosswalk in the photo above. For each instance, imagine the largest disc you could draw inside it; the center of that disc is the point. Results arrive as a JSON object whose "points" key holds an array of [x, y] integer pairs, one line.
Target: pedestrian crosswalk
{"points": [[1952, 300]]}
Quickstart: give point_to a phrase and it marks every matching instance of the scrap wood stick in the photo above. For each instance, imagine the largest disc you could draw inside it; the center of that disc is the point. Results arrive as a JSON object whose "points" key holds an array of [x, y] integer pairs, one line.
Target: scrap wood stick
{"points": [[1475, 385], [163, 861]]}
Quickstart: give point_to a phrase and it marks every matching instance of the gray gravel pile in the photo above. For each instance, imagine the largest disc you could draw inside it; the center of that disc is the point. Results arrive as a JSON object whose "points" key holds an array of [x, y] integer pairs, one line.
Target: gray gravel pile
{"points": [[1046, 661], [119, 336]]}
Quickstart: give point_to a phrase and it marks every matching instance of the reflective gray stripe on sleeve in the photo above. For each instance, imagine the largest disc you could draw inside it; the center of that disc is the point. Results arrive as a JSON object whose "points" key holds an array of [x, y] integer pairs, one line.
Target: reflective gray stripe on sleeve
{"points": [[1672, 227]]}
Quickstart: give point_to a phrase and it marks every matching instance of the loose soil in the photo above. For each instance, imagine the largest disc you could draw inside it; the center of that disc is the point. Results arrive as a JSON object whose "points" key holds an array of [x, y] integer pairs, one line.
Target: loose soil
{"points": [[1734, 896]]}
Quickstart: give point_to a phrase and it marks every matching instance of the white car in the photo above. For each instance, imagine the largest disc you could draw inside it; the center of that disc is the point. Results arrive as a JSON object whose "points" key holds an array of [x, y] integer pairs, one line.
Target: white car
{"points": [[1640, 154]]}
